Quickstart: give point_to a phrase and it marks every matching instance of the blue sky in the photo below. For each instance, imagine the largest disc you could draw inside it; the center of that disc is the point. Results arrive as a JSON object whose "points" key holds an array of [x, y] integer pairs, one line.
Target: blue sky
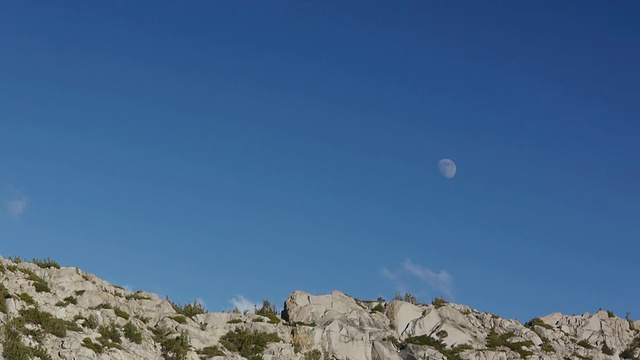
{"points": [[223, 150]]}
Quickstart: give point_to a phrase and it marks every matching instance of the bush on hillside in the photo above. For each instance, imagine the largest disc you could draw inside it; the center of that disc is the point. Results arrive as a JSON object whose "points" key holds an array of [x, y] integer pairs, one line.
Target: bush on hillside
{"points": [[249, 344]]}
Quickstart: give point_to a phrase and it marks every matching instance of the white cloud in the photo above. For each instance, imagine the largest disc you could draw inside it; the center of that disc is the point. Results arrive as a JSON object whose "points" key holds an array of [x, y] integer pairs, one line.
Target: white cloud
{"points": [[243, 303], [441, 281], [201, 302], [389, 274], [16, 207]]}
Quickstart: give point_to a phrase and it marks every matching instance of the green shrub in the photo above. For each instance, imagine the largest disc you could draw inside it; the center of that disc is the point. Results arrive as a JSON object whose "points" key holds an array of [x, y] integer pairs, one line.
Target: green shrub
{"points": [[314, 354], [49, 323], [39, 283], [121, 313], [66, 301], [41, 353], [606, 349], [189, 310], [46, 263], [210, 351], [267, 308], [438, 302], [495, 340], [249, 344], [137, 296], [547, 347], [273, 318], [4, 294], [173, 347], [27, 298], [109, 333], [234, 321], [630, 351], [89, 344], [12, 345], [585, 344], [79, 293], [132, 333], [180, 319], [378, 308], [103, 306], [426, 340], [91, 322], [537, 321]]}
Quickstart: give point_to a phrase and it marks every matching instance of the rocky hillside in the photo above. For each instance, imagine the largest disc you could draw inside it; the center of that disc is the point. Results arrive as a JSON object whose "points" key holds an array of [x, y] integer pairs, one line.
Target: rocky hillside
{"points": [[49, 312]]}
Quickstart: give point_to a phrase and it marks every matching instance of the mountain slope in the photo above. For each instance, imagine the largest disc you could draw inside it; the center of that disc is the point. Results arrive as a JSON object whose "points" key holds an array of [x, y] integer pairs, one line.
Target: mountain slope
{"points": [[49, 312]]}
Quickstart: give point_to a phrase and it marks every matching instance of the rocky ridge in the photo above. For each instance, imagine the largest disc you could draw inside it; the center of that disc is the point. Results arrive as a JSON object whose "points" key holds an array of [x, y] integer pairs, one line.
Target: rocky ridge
{"points": [[48, 312]]}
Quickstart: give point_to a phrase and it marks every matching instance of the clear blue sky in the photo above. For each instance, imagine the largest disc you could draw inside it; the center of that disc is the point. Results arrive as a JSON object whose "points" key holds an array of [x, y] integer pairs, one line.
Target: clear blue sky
{"points": [[218, 149]]}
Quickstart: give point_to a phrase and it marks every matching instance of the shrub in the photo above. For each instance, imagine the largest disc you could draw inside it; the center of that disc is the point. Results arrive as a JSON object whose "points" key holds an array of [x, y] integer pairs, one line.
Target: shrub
{"points": [[547, 347], [132, 333], [110, 333], [39, 283], [273, 318], [41, 353], [46, 263], [4, 294], [537, 321], [585, 344], [630, 351], [103, 306], [137, 296], [378, 308], [606, 349], [189, 310], [314, 354], [91, 322], [66, 301], [121, 313], [234, 321], [438, 302], [12, 345], [610, 314], [47, 322], [426, 340], [249, 344], [180, 319], [495, 340], [210, 351], [27, 298], [89, 344], [79, 293], [173, 348]]}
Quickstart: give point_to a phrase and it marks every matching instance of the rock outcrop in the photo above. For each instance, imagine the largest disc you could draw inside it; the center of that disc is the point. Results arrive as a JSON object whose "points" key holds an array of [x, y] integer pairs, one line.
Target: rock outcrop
{"points": [[48, 312]]}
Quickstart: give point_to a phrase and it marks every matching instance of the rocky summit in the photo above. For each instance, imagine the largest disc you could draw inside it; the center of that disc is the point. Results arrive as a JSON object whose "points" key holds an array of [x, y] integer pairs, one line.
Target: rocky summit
{"points": [[53, 312]]}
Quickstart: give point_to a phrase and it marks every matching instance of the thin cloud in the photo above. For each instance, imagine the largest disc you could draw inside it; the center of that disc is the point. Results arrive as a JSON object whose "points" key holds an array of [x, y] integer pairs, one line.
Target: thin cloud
{"points": [[389, 274], [17, 207], [201, 302], [441, 281], [243, 304]]}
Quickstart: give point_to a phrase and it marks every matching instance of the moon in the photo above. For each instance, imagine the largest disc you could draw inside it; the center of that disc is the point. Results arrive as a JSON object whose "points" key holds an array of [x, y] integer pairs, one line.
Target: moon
{"points": [[447, 168]]}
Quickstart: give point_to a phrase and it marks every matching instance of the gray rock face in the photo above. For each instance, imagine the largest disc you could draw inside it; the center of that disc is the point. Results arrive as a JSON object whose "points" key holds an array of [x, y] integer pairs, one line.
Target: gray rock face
{"points": [[332, 326]]}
